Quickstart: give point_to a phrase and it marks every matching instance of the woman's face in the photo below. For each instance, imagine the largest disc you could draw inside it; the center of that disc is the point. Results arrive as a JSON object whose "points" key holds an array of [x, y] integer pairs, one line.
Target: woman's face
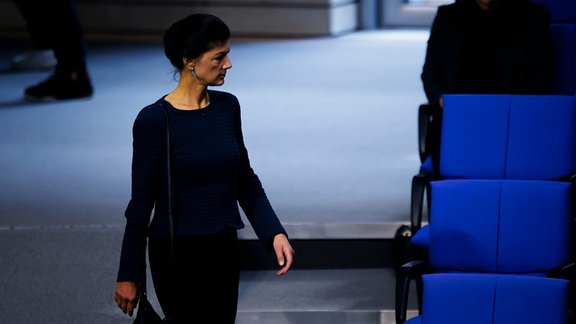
{"points": [[211, 66], [484, 4]]}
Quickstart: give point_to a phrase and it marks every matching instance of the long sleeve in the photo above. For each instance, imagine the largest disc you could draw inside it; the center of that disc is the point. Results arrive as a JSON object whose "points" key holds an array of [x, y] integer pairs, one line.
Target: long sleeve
{"points": [[433, 80], [147, 164], [537, 76]]}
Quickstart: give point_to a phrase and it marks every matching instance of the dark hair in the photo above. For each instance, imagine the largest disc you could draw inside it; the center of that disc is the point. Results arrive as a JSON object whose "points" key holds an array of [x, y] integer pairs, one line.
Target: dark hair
{"points": [[192, 36], [510, 4]]}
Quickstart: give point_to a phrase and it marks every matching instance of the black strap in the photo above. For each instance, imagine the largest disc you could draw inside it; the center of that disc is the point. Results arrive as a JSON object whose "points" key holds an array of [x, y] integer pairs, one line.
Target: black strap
{"points": [[143, 298], [170, 208], [169, 181]]}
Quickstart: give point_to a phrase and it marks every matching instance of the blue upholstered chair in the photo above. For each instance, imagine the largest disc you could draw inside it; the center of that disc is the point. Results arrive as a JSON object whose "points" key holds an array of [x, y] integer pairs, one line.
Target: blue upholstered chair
{"points": [[493, 226], [493, 299], [564, 38], [494, 137], [524, 154], [561, 11], [501, 137], [563, 27]]}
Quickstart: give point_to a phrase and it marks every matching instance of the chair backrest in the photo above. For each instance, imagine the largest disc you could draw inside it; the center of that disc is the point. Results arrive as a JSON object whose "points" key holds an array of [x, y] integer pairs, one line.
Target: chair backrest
{"points": [[491, 298], [563, 26], [500, 226], [541, 137], [564, 39], [561, 11], [508, 137]]}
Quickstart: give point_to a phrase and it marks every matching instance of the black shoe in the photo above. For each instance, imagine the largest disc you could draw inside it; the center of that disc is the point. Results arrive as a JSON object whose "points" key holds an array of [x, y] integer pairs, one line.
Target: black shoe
{"points": [[61, 86]]}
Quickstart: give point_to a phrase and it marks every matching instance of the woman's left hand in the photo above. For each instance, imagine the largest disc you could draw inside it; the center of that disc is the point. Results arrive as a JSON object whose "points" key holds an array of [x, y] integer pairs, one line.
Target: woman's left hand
{"points": [[284, 253]]}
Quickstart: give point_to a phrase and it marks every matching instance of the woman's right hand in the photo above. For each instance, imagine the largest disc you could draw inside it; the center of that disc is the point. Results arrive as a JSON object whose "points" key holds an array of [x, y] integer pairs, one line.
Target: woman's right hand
{"points": [[126, 296]]}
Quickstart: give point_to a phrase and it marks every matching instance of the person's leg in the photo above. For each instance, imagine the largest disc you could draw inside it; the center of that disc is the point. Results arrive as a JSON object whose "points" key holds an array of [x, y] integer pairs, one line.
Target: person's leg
{"points": [[206, 279], [42, 54], [67, 36], [213, 261], [161, 269], [70, 79]]}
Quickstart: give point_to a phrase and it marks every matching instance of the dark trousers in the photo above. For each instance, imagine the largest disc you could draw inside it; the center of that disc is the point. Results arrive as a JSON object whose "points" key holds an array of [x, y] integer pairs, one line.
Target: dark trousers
{"points": [[203, 286], [55, 25]]}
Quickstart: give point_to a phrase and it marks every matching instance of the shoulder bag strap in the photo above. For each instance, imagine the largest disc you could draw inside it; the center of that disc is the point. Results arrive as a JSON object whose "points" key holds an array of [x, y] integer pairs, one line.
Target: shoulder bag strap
{"points": [[169, 180]]}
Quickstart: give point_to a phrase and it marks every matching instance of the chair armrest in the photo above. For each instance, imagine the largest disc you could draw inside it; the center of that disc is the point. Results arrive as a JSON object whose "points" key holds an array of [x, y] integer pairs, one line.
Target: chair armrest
{"points": [[565, 272], [429, 125], [412, 270], [569, 178], [572, 178], [425, 117], [420, 186]]}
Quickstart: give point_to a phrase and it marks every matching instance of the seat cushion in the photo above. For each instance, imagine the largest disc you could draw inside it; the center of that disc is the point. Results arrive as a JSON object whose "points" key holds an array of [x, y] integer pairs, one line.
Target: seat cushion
{"points": [[422, 237]]}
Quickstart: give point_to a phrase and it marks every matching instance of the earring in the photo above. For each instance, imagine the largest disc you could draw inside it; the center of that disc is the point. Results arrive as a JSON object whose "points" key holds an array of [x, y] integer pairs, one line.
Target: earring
{"points": [[194, 74]]}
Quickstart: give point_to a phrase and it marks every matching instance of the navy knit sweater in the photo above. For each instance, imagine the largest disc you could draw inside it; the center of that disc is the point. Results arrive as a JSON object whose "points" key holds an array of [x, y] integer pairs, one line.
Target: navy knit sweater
{"points": [[211, 174]]}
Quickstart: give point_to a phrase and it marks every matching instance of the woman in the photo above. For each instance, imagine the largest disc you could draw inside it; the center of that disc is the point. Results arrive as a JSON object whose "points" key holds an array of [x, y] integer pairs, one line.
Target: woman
{"points": [[211, 172]]}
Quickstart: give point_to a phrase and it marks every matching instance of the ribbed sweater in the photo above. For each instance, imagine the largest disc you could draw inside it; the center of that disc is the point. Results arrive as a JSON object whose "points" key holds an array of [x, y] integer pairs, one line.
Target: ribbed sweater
{"points": [[211, 174]]}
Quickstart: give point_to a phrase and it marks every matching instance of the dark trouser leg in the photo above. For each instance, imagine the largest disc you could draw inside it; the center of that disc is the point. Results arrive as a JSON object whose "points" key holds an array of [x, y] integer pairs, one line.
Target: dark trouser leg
{"points": [[68, 36], [37, 22], [55, 24], [206, 277]]}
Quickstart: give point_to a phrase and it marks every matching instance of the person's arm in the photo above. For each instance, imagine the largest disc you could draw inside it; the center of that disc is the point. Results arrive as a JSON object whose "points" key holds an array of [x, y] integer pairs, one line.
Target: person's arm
{"points": [[432, 71], [538, 74], [284, 253], [126, 296], [147, 161]]}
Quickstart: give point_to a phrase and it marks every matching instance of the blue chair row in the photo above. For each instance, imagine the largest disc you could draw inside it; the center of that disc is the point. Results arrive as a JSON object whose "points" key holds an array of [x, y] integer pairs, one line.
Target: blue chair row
{"points": [[493, 226], [483, 234], [564, 40], [501, 137], [493, 299], [563, 29], [487, 136]]}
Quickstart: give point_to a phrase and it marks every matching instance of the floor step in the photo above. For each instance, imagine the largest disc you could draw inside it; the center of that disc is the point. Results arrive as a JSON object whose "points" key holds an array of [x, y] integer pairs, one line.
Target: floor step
{"points": [[322, 254], [317, 317], [359, 296]]}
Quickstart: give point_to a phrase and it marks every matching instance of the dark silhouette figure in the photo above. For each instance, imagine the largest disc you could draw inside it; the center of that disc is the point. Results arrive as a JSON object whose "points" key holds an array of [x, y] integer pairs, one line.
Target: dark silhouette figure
{"points": [[55, 25]]}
